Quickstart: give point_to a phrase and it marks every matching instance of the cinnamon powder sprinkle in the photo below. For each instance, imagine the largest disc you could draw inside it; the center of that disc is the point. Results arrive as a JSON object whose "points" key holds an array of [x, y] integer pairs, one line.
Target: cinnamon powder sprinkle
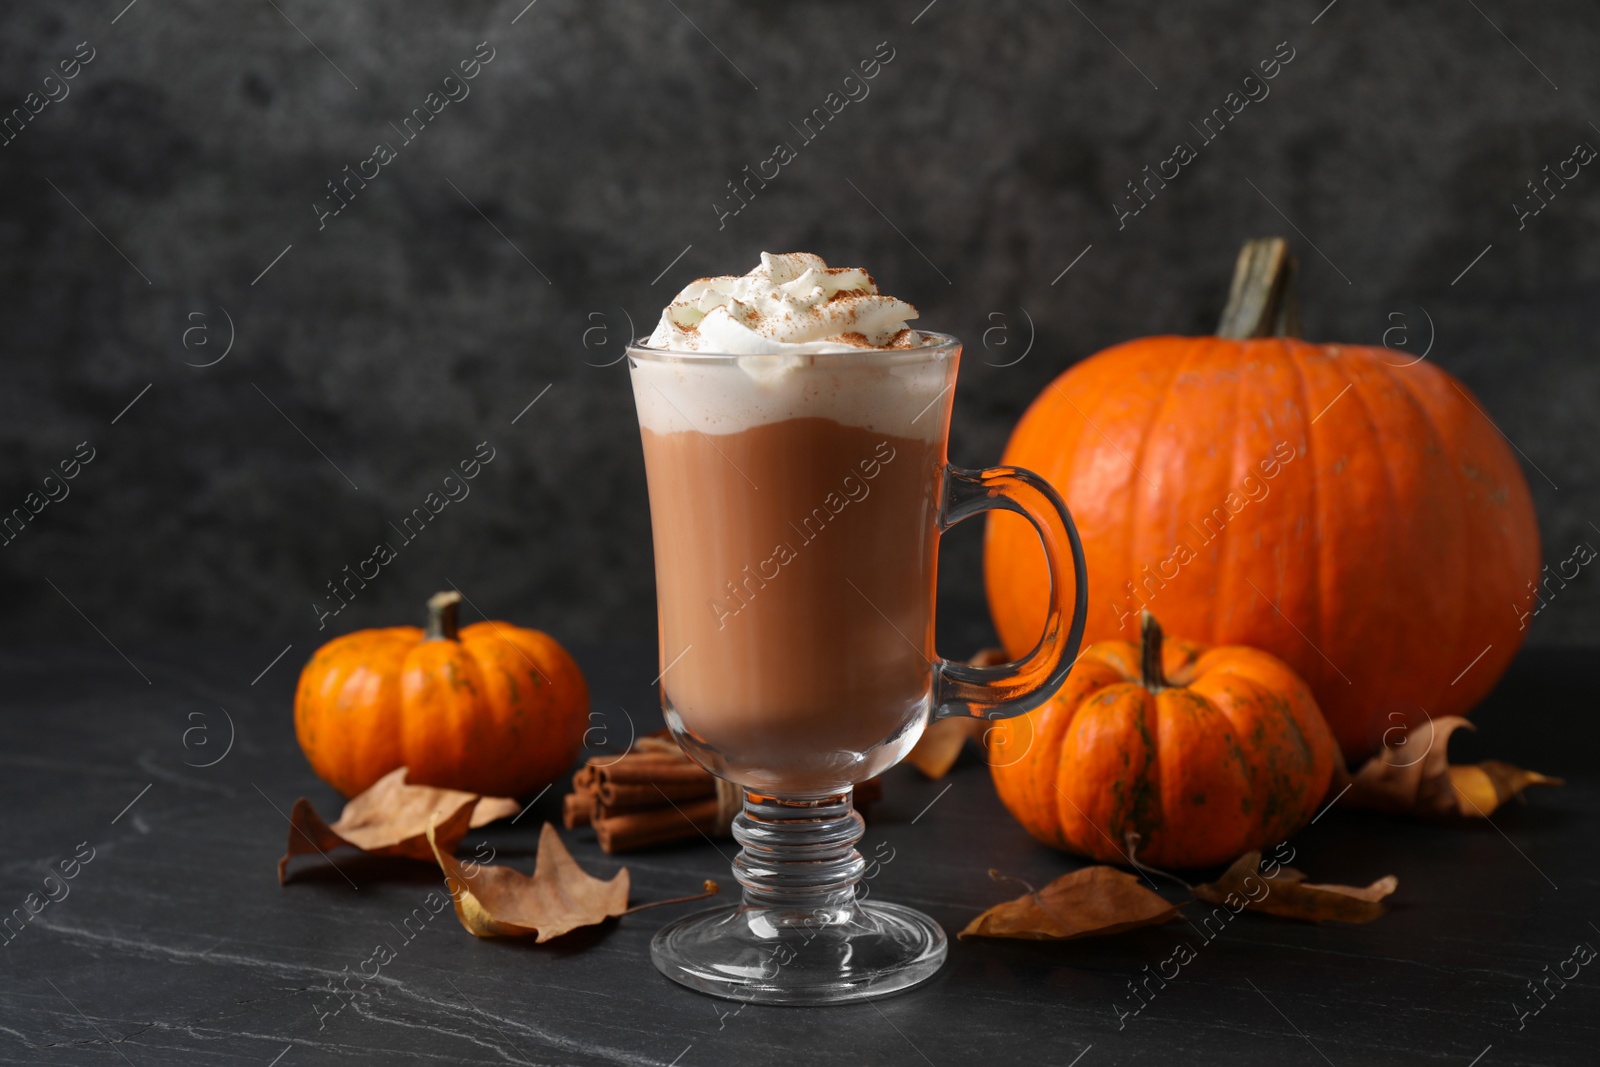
{"points": [[854, 339]]}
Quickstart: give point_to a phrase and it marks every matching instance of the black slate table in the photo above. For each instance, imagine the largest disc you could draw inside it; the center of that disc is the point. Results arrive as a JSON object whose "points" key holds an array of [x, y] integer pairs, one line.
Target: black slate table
{"points": [[176, 945]]}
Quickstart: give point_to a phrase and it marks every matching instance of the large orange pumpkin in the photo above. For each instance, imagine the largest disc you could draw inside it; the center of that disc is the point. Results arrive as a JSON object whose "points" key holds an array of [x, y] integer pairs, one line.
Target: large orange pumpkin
{"points": [[1204, 754], [490, 708], [1349, 509]]}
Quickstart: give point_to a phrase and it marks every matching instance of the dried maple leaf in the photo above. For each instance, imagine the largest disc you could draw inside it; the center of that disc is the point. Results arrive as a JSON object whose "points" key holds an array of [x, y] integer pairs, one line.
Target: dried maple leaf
{"points": [[391, 818], [941, 743], [1396, 780], [1088, 902], [1287, 894], [559, 898]]}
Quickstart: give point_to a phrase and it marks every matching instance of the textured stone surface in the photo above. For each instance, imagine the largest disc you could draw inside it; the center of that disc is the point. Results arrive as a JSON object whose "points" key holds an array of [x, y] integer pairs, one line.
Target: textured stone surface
{"points": [[176, 945], [597, 142]]}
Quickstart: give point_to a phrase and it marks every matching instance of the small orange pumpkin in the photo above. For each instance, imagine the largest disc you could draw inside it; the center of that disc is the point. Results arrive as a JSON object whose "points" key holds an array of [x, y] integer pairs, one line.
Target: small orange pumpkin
{"points": [[1203, 753], [490, 708]]}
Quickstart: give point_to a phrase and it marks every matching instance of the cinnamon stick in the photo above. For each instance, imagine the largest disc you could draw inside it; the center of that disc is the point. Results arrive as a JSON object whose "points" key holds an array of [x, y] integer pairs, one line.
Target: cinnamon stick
{"points": [[577, 809], [647, 769], [642, 829], [654, 794]]}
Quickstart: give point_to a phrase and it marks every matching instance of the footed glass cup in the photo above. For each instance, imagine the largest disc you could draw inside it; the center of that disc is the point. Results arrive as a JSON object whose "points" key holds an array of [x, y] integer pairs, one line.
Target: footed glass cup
{"points": [[796, 505]]}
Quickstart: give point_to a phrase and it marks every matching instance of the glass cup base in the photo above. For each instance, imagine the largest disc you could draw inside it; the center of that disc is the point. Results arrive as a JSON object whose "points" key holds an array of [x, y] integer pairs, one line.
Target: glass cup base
{"points": [[765, 956]]}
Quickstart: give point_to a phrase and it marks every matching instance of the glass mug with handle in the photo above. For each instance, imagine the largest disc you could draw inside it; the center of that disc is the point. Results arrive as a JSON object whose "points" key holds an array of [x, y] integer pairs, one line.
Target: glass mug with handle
{"points": [[796, 505]]}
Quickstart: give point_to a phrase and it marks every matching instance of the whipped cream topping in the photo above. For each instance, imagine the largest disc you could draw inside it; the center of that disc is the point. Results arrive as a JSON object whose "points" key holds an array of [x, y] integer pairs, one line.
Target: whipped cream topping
{"points": [[792, 304], [781, 322]]}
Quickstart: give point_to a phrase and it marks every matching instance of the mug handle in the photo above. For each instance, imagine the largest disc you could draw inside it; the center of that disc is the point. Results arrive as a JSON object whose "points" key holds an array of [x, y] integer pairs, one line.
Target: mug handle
{"points": [[1009, 689]]}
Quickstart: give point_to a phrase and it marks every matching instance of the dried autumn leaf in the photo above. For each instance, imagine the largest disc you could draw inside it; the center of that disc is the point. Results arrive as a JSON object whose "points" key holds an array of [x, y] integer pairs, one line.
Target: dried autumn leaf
{"points": [[391, 818], [941, 743], [1482, 787], [1288, 895], [1397, 780], [1088, 902], [559, 898]]}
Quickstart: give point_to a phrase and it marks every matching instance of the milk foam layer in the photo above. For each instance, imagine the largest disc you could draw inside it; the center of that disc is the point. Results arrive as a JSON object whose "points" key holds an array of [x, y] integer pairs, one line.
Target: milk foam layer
{"points": [[791, 304], [828, 346]]}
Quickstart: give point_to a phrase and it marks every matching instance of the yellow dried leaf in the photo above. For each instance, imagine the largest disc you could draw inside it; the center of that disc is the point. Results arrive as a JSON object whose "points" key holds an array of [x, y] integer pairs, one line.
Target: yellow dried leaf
{"points": [[941, 743], [1088, 902], [559, 898], [1379, 890], [1482, 787], [1398, 780], [1288, 895]]}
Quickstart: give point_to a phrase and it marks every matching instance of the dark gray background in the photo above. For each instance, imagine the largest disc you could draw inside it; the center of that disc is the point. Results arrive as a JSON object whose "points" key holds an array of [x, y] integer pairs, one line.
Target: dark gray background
{"points": [[597, 142]]}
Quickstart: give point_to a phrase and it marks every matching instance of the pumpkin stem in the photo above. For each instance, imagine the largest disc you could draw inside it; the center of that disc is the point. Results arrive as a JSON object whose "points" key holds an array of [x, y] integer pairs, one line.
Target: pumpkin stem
{"points": [[444, 617], [1150, 638], [1262, 301]]}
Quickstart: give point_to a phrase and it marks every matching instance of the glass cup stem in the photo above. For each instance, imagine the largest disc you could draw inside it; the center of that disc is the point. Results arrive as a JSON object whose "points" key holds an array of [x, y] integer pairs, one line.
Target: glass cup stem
{"points": [[800, 936], [798, 855]]}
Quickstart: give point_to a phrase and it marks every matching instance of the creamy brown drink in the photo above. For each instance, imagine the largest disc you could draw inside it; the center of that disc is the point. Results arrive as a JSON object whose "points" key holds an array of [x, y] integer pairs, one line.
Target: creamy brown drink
{"points": [[794, 435], [793, 498]]}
